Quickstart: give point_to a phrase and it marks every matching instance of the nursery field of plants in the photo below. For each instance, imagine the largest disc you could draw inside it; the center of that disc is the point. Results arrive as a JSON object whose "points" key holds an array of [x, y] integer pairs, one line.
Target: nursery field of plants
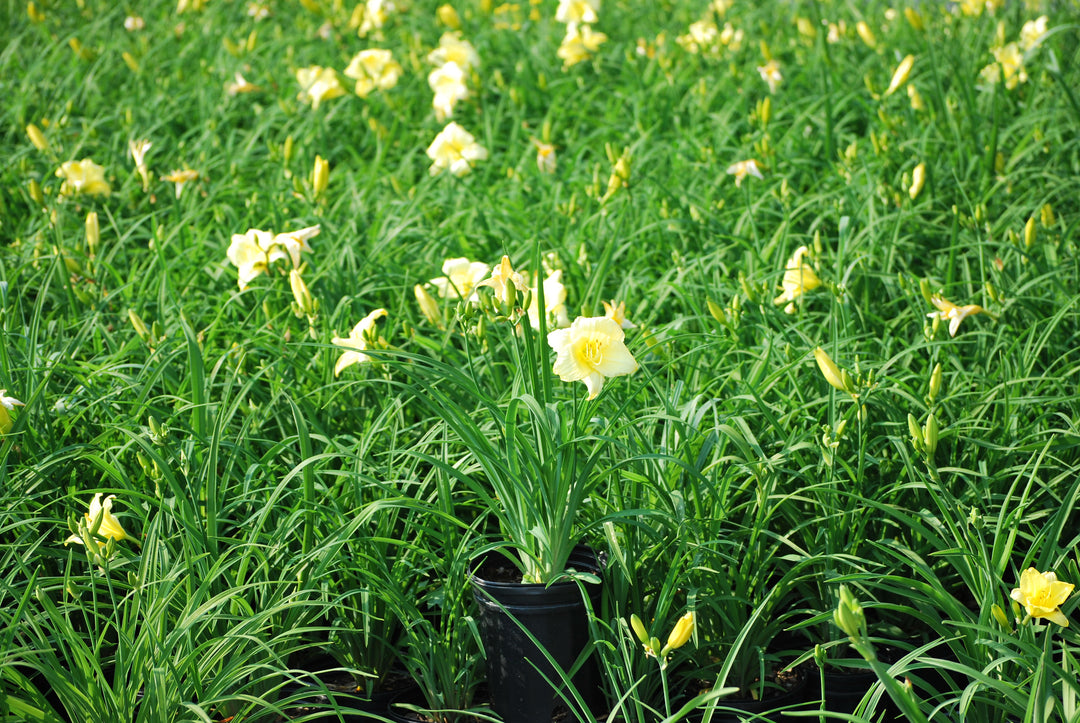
{"points": [[541, 360]]}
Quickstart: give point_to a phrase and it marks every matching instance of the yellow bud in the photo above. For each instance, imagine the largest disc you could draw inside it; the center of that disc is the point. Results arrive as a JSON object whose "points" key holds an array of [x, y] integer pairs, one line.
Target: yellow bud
{"points": [[1029, 232], [900, 75], [866, 34], [429, 307], [1047, 215], [130, 61], [1000, 616], [639, 629], [35, 192], [301, 295], [935, 381], [320, 175], [918, 179], [93, 232], [35, 15], [679, 634], [829, 370], [766, 111], [288, 150], [916, 98], [716, 311], [311, 6], [37, 137], [448, 16], [914, 19], [139, 325], [806, 27]]}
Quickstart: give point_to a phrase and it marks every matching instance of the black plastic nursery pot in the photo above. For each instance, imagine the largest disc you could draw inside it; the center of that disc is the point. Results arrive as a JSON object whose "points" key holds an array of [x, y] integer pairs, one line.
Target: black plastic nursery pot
{"points": [[792, 696], [518, 670]]}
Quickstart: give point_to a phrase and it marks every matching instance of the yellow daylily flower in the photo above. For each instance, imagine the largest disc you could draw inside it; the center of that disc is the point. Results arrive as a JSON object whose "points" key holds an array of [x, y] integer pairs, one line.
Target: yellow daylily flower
{"points": [[362, 338], [373, 69], [7, 404], [579, 43], [181, 178], [461, 278], [577, 11], [617, 313], [239, 85], [1042, 595], [447, 82], [742, 169], [100, 515], [453, 49], [545, 157], [590, 351], [248, 253], [455, 149], [770, 73], [554, 302], [948, 311], [799, 278], [83, 176], [291, 244], [1032, 33], [507, 284], [318, 84]]}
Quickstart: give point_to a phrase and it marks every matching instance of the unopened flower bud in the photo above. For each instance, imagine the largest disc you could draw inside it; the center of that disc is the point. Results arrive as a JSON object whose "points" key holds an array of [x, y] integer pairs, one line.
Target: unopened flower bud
{"points": [[1001, 617], [935, 381], [448, 16], [930, 434], [320, 175], [681, 633], [37, 137], [639, 629], [429, 307], [849, 615], [915, 20], [1029, 233], [918, 179], [93, 233], [1047, 215]]}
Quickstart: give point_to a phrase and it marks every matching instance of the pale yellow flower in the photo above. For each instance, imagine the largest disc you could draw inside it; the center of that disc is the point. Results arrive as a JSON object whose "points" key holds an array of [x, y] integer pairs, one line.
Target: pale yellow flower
{"points": [[799, 278], [545, 157], [508, 285], [456, 150], [577, 11], [375, 15], [248, 253], [185, 5], [452, 49], [7, 404], [258, 11], [617, 313], [362, 338], [1042, 595], [448, 83], [100, 515], [590, 351], [1032, 33], [948, 311], [1009, 62], [181, 178], [701, 37], [318, 84], [900, 75], [83, 176], [138, 149], [373, 69], [240, 85], [291, 244], [554, 303], [461, 278], [579, 44], [770, 73], [742, 169]]}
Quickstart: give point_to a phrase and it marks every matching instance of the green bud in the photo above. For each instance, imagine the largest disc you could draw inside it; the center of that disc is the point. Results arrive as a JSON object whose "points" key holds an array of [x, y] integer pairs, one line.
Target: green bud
{"points": [[849, 615], [1001, 617], [639, 629], [930, 433], [935, 381]]}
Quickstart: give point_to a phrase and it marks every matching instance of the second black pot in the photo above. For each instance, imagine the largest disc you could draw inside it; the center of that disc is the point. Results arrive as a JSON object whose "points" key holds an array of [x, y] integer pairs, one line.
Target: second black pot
{"points": [[556, 616]]}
